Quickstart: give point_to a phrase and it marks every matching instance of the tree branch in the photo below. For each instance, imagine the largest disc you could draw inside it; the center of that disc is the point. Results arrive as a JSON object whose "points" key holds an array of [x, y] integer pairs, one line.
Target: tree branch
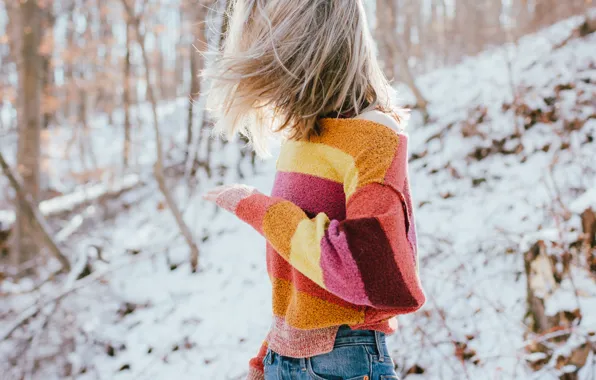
{"points": [[42, 233]]}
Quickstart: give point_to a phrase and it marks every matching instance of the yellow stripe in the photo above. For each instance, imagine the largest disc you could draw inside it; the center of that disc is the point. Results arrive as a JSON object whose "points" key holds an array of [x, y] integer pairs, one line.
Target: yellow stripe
{"points": [[318, 160], [305, 248]]}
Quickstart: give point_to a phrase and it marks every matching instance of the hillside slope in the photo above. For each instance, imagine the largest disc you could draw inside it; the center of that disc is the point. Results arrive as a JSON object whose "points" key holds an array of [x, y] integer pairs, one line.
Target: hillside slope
{"points": [[507, 160]]}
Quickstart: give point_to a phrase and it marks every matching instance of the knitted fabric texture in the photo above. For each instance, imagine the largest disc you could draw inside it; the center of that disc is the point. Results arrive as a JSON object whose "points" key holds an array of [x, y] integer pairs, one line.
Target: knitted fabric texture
{"points": [[341, 237]]}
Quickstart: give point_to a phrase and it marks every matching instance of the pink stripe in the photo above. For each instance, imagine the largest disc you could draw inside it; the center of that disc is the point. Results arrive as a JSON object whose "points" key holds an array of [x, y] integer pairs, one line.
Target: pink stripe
{"points": [[254, 374], [312, 194], [253, 209], [338, 265]]}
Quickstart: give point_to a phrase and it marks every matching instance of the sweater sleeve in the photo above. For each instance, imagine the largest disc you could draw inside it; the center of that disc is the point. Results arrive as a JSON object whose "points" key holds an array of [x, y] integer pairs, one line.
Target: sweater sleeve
{"points": [[256, 370], [369, 258]]}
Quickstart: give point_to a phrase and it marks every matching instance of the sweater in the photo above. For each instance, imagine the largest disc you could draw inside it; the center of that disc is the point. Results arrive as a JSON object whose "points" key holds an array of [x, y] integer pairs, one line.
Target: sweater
{"points": [[341, 238]]}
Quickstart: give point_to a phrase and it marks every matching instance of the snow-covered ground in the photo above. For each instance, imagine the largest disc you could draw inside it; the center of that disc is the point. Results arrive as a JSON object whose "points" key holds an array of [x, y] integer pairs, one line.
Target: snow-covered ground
{"points": [[490, 177]]}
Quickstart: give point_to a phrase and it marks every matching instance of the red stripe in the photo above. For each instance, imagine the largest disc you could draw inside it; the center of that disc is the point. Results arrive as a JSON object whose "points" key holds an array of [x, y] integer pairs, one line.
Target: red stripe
{"points": [[280, 268]]}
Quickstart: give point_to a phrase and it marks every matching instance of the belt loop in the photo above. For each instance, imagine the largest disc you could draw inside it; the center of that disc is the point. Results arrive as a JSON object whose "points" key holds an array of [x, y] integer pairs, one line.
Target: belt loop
{"points": [[303, 364], [270, 357], [379, 344]]}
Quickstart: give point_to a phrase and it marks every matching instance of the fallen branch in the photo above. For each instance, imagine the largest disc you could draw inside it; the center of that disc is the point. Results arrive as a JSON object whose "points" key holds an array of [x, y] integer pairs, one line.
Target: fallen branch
{"points": [[42, 233], [74, 224], [68, 202], [71, 287]]}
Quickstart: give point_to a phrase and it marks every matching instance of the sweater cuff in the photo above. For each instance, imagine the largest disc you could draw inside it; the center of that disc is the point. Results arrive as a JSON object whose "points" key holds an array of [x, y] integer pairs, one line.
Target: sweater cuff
{"points": [[255, 374], [252, 209]]}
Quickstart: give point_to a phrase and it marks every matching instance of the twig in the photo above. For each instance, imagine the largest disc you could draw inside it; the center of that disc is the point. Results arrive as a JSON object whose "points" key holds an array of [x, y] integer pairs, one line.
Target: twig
{"points": [[31, 358], [435, 344], [444, 323], [32, 310]]}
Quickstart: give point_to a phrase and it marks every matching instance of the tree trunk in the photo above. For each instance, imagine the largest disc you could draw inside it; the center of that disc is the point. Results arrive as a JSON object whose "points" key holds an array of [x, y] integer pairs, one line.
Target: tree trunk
{"points": [[196, 64], [494, 29], [386, 13], [194, 90], [203, 45], [29, 117], [408, 77], [69, 87], [545, 12], [396, 50], [47, 73], [126, 100], [458, 31], [161, 73]]}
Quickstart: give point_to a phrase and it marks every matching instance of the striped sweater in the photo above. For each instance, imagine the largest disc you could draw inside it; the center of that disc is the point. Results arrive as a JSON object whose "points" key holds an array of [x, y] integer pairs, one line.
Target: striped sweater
{"points": [[341, 238]]}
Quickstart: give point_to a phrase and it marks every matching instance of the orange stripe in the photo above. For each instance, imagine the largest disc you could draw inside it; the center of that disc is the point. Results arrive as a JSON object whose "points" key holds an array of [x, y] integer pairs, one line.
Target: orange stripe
{"points": [[303, 311], [279, 225], [372, 145]]}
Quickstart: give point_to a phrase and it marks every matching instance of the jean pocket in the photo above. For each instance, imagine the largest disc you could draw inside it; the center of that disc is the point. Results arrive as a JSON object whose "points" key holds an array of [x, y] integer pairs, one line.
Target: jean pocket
{"points": [[346, 362]]}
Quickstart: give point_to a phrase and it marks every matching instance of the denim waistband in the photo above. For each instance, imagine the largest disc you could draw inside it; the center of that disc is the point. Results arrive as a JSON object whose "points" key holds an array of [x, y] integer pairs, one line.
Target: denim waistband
{"points": [[347, 336]]}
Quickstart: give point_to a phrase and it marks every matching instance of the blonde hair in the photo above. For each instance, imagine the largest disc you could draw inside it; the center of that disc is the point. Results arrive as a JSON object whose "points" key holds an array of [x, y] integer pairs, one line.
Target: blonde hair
{"points": [[287, 63]]}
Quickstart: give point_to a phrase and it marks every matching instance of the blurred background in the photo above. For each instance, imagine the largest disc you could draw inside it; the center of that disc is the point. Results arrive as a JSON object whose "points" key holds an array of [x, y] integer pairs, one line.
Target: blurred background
{"points": [[112, 267]]}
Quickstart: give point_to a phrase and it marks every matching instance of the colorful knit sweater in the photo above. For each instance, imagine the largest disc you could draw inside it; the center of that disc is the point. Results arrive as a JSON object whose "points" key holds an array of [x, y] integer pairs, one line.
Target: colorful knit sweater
{"points": [[341, 239]]}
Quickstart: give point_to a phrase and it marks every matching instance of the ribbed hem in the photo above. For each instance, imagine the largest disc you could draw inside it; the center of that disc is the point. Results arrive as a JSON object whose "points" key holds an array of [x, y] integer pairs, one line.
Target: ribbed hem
{"points": [[255, 374], [286, 340]]}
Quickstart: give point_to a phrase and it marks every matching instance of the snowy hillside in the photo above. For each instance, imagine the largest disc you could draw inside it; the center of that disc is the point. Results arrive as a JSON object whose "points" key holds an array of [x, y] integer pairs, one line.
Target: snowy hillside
{"points": [[506, 160]]}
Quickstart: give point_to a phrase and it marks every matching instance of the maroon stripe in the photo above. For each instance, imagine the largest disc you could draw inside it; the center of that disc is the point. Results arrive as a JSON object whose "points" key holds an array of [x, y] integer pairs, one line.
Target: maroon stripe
{"points": [[383, 281], [312, 194]]}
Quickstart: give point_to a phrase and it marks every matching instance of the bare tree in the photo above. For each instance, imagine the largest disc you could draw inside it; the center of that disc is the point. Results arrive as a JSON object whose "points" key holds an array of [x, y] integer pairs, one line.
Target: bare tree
{"points": [[126, 99], [29, 121], [386, 23], [198, 16], [394, 49], [159, 161]]}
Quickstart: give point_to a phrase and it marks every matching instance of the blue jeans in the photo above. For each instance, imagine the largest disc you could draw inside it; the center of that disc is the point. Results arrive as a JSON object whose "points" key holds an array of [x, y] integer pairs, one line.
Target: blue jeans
{"points": [[356, 355]]}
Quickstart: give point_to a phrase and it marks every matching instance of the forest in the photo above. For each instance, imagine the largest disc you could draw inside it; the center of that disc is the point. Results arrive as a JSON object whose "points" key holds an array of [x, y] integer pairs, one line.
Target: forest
{"points": [[112, 266]]}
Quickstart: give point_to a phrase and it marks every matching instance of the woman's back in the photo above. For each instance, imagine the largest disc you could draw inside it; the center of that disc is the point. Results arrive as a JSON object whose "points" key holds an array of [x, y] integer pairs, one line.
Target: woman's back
{"points": [[341, 238]]}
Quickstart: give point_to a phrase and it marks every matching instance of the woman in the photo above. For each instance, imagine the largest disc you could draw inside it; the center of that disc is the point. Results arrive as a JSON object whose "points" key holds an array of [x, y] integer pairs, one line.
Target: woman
{"points": [[339, 225]]}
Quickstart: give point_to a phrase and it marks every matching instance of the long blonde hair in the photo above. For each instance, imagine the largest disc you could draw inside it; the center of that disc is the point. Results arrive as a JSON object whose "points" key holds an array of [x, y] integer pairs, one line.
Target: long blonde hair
{"points": [[286, 63]]}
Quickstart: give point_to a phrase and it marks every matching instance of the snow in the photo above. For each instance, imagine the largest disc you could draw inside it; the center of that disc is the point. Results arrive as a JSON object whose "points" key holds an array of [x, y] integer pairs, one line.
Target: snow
{"points": [[7, 218], [70, 201], [150, 318], [584, 201]]}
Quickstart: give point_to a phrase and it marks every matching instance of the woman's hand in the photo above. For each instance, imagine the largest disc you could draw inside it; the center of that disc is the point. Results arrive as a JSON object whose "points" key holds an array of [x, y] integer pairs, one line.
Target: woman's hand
{"points": [[229, 196]]}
